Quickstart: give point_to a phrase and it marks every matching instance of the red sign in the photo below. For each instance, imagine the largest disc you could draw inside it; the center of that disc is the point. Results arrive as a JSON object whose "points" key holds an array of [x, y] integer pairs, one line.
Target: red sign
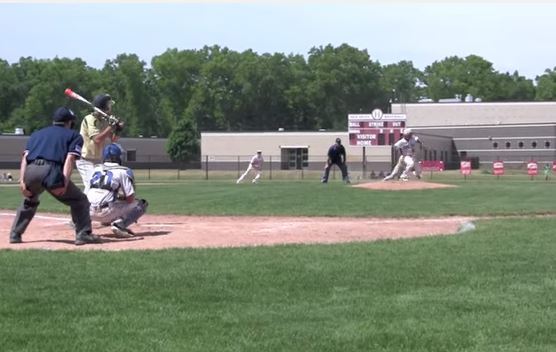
{"points": [[498, 167], [532, 168], [432, 165], [554, 166], [465, 167]]}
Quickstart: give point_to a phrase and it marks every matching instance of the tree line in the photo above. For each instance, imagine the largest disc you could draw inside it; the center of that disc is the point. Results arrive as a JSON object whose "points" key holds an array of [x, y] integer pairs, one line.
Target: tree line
{"points": [[218, 89]]}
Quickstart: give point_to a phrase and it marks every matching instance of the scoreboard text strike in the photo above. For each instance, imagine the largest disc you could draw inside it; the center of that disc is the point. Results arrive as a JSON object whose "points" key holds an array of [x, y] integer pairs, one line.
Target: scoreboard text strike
{"points": [[375, 128]]}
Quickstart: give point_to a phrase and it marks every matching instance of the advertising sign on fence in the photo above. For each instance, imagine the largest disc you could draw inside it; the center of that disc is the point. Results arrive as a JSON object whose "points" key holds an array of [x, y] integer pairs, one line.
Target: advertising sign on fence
{"points": [[498, 167], [554, 166], [465, 168], [432, 165], [532, 168]]}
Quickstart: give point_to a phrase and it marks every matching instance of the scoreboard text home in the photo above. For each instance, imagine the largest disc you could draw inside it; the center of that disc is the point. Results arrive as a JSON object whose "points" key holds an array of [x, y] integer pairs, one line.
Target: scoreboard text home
{"points": [[375, 128]]}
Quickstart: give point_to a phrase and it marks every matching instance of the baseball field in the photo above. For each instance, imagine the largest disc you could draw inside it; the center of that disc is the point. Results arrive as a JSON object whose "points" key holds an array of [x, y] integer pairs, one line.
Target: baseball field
{"points": [[346, 286]]}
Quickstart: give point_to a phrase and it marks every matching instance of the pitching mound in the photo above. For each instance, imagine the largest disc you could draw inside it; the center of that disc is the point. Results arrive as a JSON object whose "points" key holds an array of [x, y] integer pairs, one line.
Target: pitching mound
{"points": [[51, 231], [402, 186]]}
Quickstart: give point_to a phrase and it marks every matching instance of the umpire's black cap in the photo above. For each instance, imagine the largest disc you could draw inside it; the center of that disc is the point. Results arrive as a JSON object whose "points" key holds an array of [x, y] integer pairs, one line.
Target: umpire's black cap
{"points": [[63, 114], [338, 140]]}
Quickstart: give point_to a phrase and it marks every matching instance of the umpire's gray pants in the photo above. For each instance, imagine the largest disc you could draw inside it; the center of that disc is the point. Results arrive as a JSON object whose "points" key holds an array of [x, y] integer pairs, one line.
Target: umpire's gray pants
{"points": [[74, 198]]}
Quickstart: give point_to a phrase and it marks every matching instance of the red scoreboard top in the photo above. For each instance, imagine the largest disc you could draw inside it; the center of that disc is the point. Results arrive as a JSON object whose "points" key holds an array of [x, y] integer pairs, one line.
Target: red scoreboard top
{"points": [[375, 128]]}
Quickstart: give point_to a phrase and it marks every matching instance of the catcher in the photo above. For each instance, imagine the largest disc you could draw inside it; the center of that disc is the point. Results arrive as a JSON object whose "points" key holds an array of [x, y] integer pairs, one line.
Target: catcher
{"points": [[112, 193]]}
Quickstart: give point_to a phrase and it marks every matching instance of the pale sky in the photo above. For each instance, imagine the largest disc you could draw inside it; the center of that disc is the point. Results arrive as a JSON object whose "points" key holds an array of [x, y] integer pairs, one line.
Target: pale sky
{"points": [[513, 36]]}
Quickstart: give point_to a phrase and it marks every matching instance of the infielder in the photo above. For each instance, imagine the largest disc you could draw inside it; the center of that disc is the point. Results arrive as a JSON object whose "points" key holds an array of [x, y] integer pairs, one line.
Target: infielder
{"points": [[406, 146], [112, 193], [96, 133], [255, 165]]}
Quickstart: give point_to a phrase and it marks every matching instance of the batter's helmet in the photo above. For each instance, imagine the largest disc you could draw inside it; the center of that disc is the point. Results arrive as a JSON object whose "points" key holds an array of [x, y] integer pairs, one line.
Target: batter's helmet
{"points": [[101, 101], [112, 153]]}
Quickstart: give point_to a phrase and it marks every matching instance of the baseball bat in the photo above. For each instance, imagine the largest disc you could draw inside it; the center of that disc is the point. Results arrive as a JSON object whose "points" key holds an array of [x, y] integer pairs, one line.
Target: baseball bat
{"points": [[70, 93]]}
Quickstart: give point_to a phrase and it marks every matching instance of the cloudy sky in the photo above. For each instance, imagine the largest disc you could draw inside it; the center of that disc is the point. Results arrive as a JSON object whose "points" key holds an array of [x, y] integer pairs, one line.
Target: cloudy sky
{"points": [[513, 36]]}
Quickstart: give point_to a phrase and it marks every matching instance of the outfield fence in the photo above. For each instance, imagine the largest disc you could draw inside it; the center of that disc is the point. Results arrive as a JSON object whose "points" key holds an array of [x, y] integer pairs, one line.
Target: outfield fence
{"points": [[300, 167]]}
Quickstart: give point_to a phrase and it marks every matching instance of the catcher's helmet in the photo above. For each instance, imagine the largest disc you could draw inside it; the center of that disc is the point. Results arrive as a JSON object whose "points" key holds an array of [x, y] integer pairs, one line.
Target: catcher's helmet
{"points": [[112, 153], [101, 101]]}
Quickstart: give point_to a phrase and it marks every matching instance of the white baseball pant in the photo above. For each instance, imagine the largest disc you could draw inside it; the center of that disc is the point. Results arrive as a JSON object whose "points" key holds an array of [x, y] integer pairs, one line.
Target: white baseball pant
{"points": [[119, 209], [86, 169], [396, 169], [249, 169]]}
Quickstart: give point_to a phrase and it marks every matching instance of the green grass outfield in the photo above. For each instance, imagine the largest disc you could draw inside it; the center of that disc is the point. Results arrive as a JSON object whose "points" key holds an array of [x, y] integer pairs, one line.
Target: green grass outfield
{"points": [[487, 290], [480, 196]]}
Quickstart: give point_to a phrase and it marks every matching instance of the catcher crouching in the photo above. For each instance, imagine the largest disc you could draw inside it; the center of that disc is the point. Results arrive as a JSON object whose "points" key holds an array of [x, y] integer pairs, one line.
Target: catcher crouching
{"points": [[112, 193]]}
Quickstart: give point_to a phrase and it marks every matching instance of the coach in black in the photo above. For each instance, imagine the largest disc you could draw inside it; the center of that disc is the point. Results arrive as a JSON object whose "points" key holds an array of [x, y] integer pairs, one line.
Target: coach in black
{"points": [[47, 164], [336, 155]]}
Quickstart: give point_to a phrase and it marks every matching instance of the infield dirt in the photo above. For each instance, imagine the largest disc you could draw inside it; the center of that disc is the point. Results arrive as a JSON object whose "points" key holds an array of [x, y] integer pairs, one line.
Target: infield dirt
{"points": [[51, 231]]}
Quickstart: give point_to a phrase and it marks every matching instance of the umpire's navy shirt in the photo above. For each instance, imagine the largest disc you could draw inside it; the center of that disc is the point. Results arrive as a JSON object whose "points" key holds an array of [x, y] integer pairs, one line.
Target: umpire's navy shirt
{"points": [[335, 151], [54, 143]]}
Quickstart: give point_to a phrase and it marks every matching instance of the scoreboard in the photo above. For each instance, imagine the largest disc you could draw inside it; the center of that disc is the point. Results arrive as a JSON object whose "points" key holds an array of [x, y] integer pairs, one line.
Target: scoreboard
{"points": [[367, 130]]}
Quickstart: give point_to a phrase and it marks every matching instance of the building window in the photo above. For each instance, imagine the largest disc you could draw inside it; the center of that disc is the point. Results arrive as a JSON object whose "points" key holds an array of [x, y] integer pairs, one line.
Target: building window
{"points": [[294, 158], [495, 145], [508, 145], [547, 144], [533, 144], [131, 155], [520, 144]]}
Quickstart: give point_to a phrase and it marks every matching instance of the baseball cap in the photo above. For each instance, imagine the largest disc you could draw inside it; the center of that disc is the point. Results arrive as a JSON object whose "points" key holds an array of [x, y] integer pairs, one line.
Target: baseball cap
{"points": [[259, 151], [407, 131], [338, 140], [63, 114]]}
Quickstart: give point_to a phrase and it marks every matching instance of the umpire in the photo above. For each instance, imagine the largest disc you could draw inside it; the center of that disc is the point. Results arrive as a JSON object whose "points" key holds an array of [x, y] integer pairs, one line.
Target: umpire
{"points": [[336, 155], [47, 164]]}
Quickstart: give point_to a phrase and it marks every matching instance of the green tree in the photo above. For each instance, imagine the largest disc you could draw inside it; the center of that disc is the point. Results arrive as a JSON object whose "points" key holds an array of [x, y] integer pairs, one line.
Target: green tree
{"points": [[183, 143], [174, 75], [344, 80], [546, 85], [456, 76], [400, 82], [43, 82], [514, 88], [127, 82], [8, 94]]}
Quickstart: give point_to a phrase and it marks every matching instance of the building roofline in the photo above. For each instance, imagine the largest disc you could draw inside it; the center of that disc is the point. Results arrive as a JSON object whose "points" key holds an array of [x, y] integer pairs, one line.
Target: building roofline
{"points": [[292, 133], [505, 103]]}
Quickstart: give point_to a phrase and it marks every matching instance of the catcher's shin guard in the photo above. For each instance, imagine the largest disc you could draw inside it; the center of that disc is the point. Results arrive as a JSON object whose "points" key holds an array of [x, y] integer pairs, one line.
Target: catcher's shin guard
{"points": [[135, 213]]}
